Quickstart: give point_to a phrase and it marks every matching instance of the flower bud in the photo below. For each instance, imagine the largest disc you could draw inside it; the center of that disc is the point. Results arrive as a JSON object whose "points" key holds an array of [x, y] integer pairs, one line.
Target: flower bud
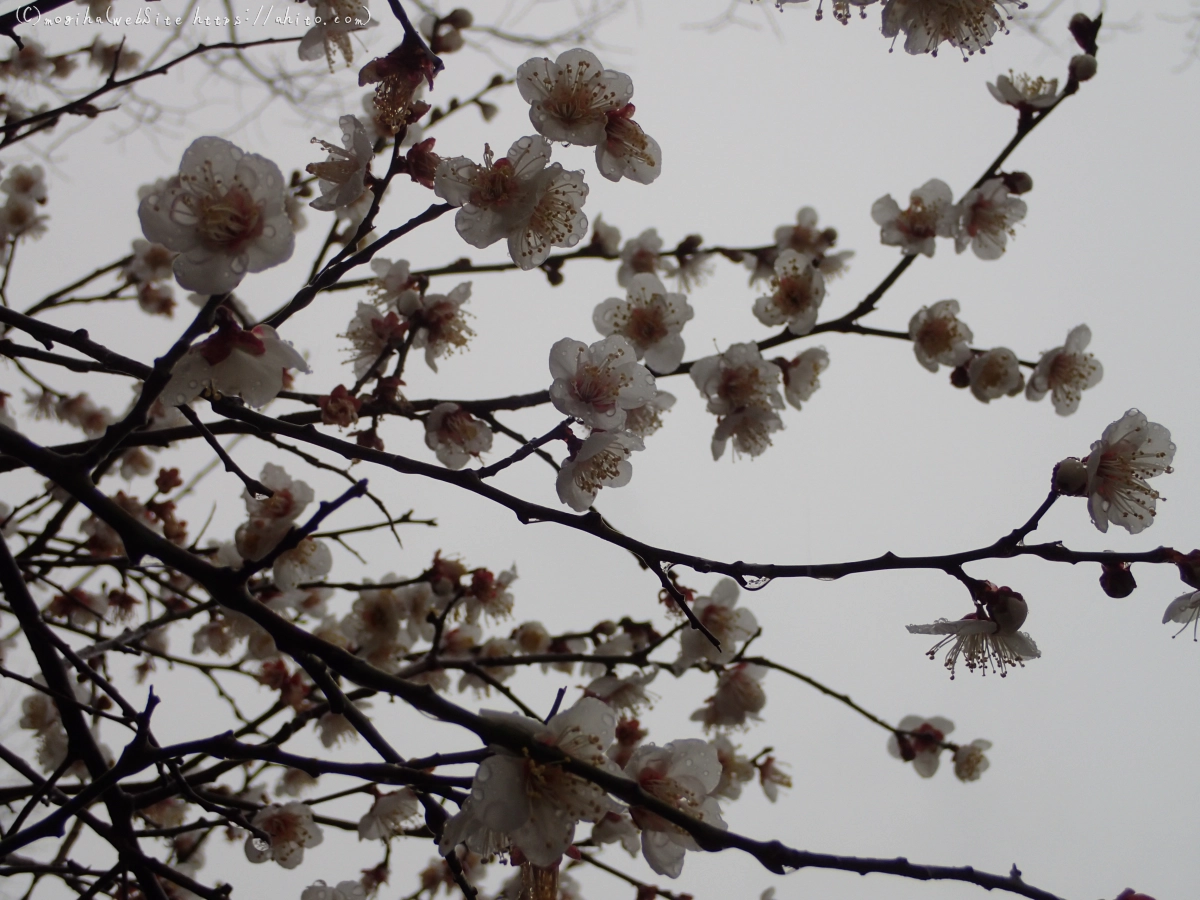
{"points": [[1018, 182], [1084, 30], [960, 377], [1117, 580], [1082, 67], [1189, 567], [1070, 477], [459, 18], [607, 627]]}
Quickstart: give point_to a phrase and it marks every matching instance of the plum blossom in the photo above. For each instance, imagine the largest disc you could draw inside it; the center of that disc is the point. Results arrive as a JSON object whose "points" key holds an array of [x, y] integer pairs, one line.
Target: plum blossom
{"points": [[602, 460], [1024, 92], [799, 288], [336, 20], [627, 694], [985, 643], [376, 627], [728, 625], [627, 151], [615, 827], [650, 318], [291, 829], [571, 97], [342, 177], [455, 435], [969, 761], [438, 321], [271, 518], [995, 374], [647, 418], [804, 237], [1131, 450], [309, 560], [606, 238], [736, 769], [738, 697], [492, 648], [224, 212], [532, 637], [930, 214], [965, 24], [801, 376], [387, 814], [772, 777], [986, 216], [1184, 609], [533, 807], [922, 742], [343, 890], [1066, 372], [682, 774], [488, 595], [535, 206], [938, 337], [743, 392], [597, 384], [371, 332], [26, 182], [233, 361], [151, 262], [642, 254]]}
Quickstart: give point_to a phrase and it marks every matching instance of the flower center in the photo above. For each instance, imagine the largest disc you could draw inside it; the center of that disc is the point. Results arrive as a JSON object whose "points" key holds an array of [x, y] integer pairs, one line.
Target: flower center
{"points": [[646, 326], [228, 222]]}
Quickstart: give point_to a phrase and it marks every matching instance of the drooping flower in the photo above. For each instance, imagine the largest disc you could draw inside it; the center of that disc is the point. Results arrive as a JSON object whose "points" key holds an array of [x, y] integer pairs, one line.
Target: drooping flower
{"points": [[930, 214], [985, 644], [535, 206], [225, 214], [995, 374], [650, 318], [342, 177], [387, 815], [291, 829], [965, 24], [1066, 372], [1184, 609], [799, 288], [627, 151], [597, 384], [969, 761], [455, 435], [602, 460], [570, 98], [1131, 450], [682, 774], [738, 697], [728, 624], [743, 392], [939, 337], [922, 744], [1024, 92], [986, 216], [530, 806], [233, 361]]}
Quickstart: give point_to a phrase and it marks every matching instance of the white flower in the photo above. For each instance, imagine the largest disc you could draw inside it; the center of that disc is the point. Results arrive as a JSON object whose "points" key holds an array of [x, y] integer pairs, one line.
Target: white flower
{"points": [[532, 637], [309, 560], [387, 814], [336, 19], [438, 320], [534, 205], [391, 280], [981, 643], [804, 237], [345, 890], [492, 648], [292, 783], [532, 806], [224, 212], [606, 237], [738, 697], [627, 694], [236, 362], [333, 727], [291, 829], [966, 24], [601, 461], [1184, 609], [597, 384], [1024, 92], [728, 625], [922, 746], [616, 827], [650, 318], [342, 176], [969, 761], [455, 435], [647, 418], [986, 217], [994, 374], [570, 98], [488, 595], [28, 182], [370, 333], [375, 625], [270, 518], [799, 289], [772, 777], [1066, 372], [682, 774], [19, 217], [931, 214], [801, 376], [1131, 450], [743, 391], [939, 337], [642, 255], [627, 151], [736, 769]]}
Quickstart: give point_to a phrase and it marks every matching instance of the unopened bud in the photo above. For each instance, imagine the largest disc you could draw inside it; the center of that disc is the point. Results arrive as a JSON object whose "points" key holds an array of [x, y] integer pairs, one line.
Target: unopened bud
{"points": [[1082, 67], [459, 18], [1018, 182], [447, 41], [1117, 580], [1189, 567], [1070, 477], [1084, 30], [487, 110], [960, 377], [907, 752], [606, 627]]}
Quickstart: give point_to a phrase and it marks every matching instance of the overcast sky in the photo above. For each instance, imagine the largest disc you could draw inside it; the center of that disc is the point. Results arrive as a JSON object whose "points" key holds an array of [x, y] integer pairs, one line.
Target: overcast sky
{"points": [[1093, 784]]}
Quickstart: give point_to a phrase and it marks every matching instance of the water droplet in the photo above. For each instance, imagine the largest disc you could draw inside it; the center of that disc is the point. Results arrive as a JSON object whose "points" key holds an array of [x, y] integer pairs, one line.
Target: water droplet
{"points": [[193, 384]]}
